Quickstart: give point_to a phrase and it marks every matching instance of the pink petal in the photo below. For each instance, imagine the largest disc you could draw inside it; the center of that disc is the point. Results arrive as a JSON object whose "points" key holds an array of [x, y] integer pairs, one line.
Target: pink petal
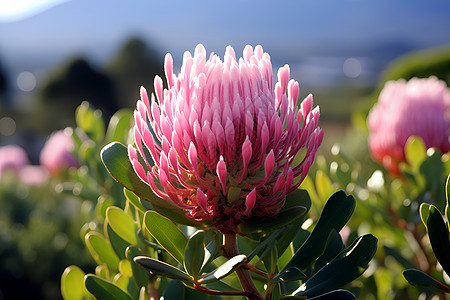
{"points": [[158, 85], [246, 155], [168, 68], [250, 201], [269, 165], [202, 200], [221, 171], [283, 77], [144, 98]]}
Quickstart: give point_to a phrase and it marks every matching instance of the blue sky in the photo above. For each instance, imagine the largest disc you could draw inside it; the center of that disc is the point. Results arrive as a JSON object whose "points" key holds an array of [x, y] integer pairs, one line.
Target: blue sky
{"points": [[290, 30]]}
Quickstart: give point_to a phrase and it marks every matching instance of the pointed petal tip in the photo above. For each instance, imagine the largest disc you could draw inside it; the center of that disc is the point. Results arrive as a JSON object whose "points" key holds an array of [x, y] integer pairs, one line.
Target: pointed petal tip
{"points": [[250, 201]]}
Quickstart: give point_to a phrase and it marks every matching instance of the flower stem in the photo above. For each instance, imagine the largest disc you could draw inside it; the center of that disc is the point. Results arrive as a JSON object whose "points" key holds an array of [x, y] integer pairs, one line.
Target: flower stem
{"points": [[230, 248]]}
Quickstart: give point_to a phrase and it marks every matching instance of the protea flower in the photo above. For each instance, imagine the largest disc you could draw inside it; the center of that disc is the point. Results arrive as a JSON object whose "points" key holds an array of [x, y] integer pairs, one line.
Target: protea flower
{"points": [[419, 107], [57, 153], [12, 158], [221, 141]]}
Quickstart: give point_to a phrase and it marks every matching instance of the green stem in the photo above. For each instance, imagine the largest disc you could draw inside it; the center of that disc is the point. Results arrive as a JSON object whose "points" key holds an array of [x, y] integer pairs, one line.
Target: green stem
{"points": [[230, 248]]}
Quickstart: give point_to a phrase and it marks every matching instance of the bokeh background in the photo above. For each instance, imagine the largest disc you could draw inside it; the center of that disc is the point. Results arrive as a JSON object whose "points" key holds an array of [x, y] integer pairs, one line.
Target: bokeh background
{"points": [[56, 54]]}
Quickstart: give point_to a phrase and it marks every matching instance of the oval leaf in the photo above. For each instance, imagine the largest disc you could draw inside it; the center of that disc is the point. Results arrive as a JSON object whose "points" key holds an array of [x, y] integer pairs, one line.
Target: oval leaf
{"points": [[101, 250], [161, 268], [335, 214], [344, 268], [72, 284], [419, 278], [194, 254], [225, 269], [167, 234], [439, 238], [336, 295], [424, 211], [140, 276], [122, 224], [291, 274], [102, 289], [415, 152], [130, 196]]}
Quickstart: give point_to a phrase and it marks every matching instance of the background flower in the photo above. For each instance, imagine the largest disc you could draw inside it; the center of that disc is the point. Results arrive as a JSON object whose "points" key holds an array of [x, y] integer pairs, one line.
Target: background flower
{"points": [[57, 153], [222, 142], [13, 158], [418, 107]]}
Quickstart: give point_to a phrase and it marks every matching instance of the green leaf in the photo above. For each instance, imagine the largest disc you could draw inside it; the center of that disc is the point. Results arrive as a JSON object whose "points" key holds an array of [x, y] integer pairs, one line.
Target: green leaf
{"points": [[299, 197], [72, 284], [335, 214], [270, 260], [334, 247], [399, 257], [102, 289], [324, 186], [268, 243], [418, 278], [194, 254], [161, 268], [415, 152], [424, 211], [102, 271], [130, 196], [167, 234], [122, 224], [335, 295], [439, 238], [212, 247], [346, 267], [224, 270], [141, 277], [101, 250], [220, 286], [125, 268], [290, 274], [119, 125], [126, 284], [175, 290], [90, 121], [118, 244], [115, 158], [283, 218]]}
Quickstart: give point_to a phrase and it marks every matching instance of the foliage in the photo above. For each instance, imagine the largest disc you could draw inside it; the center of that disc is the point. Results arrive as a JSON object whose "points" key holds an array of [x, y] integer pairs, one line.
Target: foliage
{"points": [[388, 208], [39, 237], [142, 252], [438, 234]]}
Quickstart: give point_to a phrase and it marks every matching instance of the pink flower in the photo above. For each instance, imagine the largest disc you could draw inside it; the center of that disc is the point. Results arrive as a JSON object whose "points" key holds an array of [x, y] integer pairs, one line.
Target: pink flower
{"points": [[12, 158], [222, 142], [419, 107], [33, 175], [57, 153]]}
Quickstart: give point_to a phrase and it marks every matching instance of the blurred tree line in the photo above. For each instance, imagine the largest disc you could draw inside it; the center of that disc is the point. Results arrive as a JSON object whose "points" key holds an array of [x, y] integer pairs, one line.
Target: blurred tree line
{"points": [[109, 87]]}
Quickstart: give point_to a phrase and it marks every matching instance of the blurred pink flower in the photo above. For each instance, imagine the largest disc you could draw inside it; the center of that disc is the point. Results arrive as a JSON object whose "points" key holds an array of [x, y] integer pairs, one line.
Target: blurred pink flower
{"points": [[33, 175], [12, 158], [419, 107], [222, 142], [57, 153]]}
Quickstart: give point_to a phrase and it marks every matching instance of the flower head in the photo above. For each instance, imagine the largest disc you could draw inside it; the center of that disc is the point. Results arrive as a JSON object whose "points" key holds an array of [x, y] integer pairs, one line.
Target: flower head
{"points": [[12, 158], [57, 153], [222, 142], [418, 107]]}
